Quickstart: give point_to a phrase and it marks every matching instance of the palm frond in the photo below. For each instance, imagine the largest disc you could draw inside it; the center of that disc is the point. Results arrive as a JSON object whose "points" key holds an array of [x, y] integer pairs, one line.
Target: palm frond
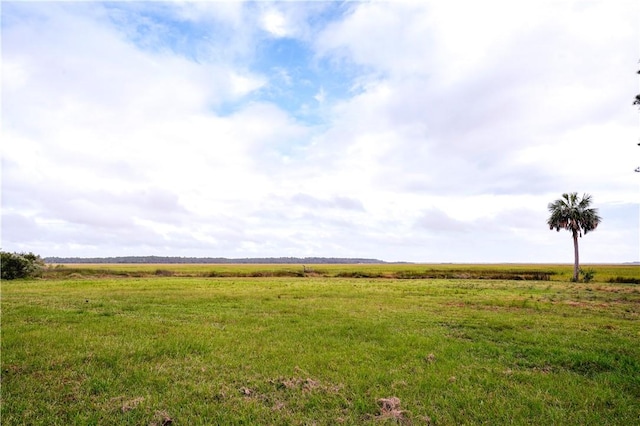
{"points": [[573, 214]]}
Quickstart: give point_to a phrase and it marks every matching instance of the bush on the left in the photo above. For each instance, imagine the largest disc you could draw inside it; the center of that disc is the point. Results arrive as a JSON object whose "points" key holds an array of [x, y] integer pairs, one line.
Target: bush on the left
{"points": [[20, 265]]}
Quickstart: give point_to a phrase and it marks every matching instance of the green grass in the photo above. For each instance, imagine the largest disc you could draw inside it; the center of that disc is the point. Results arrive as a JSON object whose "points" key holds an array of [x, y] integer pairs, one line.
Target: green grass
{"points": [[552, 272], [318, 350]]}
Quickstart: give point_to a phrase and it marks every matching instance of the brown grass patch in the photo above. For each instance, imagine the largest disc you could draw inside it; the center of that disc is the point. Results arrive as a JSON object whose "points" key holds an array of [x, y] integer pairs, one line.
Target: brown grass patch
{"points": [[161, 418], [390, 410], [304, 385], [131, 404]]}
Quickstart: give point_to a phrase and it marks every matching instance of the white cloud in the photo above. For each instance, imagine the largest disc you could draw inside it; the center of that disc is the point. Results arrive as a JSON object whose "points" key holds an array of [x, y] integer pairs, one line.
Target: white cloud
{"points": [[274, 22], [321, 96], [390, 37], [153, 132]]}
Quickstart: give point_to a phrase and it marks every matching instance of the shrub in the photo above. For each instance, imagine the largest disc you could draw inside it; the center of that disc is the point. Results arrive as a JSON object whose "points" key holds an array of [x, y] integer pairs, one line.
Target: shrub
{"points": [[587, 275], [20, 265], [624, 280], [164, 273]]}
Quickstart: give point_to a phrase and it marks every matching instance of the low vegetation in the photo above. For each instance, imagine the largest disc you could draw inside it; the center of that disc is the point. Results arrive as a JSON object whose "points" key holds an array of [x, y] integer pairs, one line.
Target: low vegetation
{"points": [[189, 350], [20, 265], [519, 272]]}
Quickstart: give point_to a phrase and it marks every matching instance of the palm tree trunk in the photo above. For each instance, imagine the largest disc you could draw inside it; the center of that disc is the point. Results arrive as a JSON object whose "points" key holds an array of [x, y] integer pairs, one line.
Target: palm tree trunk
{"points": [[576, 260]]}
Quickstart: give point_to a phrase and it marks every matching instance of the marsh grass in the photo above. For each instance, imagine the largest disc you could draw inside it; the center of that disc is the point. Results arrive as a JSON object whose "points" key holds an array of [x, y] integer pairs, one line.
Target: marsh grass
{"points": [[531, 272], [316, 350]]}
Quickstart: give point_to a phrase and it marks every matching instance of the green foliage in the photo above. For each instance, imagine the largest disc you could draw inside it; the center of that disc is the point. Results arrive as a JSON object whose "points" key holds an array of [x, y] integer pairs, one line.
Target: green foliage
{"points": [[573, 214], [587, 275], [20, 265]]}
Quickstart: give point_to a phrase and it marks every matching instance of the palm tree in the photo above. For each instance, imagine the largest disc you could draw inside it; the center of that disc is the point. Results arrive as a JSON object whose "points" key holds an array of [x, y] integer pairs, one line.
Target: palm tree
{"points": [[573, 214]]}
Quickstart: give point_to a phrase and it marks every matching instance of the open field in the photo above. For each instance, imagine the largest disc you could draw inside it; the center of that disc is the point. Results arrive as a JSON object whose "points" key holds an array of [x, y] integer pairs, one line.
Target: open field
{"points": [[155, 350], [553, 272]]}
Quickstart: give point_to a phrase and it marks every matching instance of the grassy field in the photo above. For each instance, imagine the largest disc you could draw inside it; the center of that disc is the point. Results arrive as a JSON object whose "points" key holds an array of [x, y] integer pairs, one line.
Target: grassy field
{"points": [[190, 350], [553, 272]]}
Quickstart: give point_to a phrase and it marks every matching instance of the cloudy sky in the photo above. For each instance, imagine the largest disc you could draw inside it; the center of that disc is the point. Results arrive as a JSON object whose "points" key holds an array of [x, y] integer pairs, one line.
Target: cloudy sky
{"points": [[404, 131]]}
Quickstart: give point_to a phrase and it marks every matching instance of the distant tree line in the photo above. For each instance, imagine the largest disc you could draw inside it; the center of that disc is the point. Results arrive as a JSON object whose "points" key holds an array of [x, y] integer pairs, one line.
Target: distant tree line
{"points": [[210, 260]]}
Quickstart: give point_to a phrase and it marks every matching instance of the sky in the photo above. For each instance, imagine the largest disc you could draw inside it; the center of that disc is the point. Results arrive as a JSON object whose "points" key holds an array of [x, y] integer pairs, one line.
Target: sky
{"points": [[419, 131]]}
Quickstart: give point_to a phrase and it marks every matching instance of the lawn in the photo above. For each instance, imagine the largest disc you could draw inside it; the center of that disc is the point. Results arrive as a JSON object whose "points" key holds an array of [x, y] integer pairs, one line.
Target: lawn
{"points": [[156, 350]]}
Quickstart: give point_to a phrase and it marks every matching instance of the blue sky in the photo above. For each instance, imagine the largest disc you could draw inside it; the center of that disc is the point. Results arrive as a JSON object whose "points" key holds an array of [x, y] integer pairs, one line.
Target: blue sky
{"points": [[414, 131]]}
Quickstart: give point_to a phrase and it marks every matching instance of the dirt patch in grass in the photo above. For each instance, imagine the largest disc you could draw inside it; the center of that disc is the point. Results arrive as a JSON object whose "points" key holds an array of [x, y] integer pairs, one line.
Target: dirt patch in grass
{"points": [[304, 385], [127, 404], [390, 410], [161, 418]]}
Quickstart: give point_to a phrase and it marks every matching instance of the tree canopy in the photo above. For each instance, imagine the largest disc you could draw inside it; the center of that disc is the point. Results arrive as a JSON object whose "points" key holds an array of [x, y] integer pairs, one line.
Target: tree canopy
{"points": [[20, 265]]}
